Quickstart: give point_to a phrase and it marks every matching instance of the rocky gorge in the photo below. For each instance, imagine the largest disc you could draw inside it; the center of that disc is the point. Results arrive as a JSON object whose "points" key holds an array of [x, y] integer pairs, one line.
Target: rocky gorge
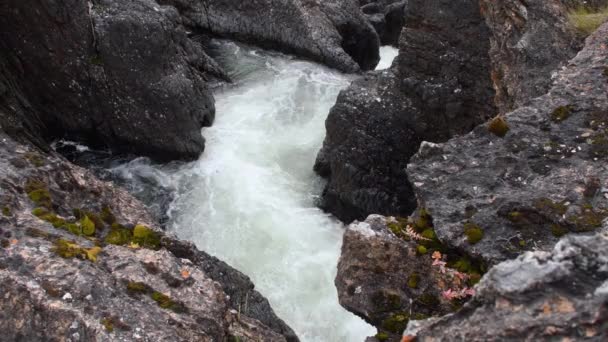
{"points": [[473, 169]]}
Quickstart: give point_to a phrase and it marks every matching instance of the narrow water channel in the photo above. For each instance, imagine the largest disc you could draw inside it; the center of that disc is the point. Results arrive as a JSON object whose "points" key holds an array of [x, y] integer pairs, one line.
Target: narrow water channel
{"points": [[250, 198]]}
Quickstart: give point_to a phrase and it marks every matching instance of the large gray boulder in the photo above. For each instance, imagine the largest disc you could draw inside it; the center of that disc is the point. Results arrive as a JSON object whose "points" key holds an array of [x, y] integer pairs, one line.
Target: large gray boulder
{"points": [[557, 295], [439, 86], [114, 73], [332, 32]]}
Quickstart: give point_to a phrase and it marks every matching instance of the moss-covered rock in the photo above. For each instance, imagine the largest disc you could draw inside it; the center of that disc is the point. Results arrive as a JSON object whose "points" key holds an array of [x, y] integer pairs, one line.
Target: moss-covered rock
{"points": [[396, 323], [473, 232], [87, 225], [561, 113], [498, 126], [146, 237], [38, 193], [118, 235]]}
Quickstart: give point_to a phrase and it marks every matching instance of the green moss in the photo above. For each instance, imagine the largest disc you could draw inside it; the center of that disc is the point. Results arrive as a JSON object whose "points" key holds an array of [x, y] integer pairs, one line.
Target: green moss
{"points": [[137, 288], [599, 145], [428, 299], [605, 73], [35, 159], [53, 219], [6, 211], [421, 250], [5, 243], [429, 234], [118, 235], [462, 265], [87, 225], [166, 302], [547, 205], [558, 230], [561, 113], [413, 280], [108, 324], [39, 211], [38, 193], [107, 216], [419, 316], [498, 126], [96, 60], [424, 221], [395, 228], [396, 323], [381, 336], [73, 228], [588, 219], [146, 237], [69, 249], [473, 232]]}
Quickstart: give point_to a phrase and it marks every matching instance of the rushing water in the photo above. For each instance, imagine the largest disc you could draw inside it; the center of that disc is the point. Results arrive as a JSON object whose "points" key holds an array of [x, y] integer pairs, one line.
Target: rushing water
{"points": [[250, 198]]}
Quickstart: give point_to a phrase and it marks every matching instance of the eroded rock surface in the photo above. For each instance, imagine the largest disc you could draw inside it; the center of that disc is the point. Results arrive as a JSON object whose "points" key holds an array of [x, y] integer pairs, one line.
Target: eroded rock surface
{"points": [[545, 178], [556, 295], [81, 260], [332, 32]]}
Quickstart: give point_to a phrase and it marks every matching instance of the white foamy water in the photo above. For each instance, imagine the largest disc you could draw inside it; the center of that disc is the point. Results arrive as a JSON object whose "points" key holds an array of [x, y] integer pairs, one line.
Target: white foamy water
{"points": [[250, 198]]}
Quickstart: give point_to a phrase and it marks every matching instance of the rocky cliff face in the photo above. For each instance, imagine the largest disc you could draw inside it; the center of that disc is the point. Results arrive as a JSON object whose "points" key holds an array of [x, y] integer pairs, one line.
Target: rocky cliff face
{"points": [[82, 260], [515, 185], [460, 63], [439, 86], [545, 178]]}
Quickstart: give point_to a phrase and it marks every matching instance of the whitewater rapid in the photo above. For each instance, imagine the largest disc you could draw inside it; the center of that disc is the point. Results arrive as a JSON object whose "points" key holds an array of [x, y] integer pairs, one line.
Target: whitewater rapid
{"points": [[250, 198]]}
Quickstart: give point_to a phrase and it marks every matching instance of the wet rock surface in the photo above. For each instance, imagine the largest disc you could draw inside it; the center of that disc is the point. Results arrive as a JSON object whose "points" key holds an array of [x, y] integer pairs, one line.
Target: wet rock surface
{"points": [[115, 73], [545, 178], [387, 17], [439, 86], [332, 32], [81, 259]]}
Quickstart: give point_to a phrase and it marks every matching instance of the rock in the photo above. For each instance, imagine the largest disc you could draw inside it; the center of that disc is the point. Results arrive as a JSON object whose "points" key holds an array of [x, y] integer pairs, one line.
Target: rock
{"points": [[439, 86], [332, 32], [118, 74], [557, 295], [387, 17], [529, 42], [81, 259], [387, 281], [545, 178]]}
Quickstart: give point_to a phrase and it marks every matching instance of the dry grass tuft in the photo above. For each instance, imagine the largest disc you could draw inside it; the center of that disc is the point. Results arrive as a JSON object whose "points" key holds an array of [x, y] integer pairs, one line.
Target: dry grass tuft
{"points": [[587, 20]]}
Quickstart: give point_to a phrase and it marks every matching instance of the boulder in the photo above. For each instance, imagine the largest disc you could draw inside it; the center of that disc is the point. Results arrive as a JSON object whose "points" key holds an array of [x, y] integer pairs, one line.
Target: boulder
{"points": [[555, 295], [114, 73], [545, 178], [439, 86], [332, 32], [389, 276], [81, 259]]}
